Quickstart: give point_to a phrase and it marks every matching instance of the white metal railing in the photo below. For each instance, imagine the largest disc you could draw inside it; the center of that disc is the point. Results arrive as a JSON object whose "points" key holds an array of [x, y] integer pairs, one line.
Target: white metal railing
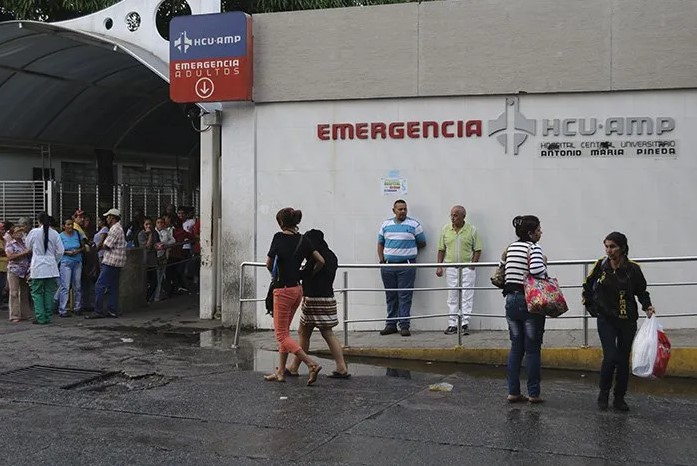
{"points": [[97, 198], [584, 263], [21, 199]]}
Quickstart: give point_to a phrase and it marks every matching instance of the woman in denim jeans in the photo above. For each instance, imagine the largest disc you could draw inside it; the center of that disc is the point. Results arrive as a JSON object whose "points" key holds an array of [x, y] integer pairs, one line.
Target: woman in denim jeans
{"points": [[524, 257], [609, 293]]}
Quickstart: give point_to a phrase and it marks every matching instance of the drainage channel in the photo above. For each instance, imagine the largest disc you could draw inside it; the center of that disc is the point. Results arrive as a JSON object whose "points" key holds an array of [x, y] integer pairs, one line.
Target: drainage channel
{"points": [[52, 376]]}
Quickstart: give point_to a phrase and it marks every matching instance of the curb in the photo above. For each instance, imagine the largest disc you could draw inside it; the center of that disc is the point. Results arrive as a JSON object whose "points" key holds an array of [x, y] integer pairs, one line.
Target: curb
{"points": [[683, 361]]}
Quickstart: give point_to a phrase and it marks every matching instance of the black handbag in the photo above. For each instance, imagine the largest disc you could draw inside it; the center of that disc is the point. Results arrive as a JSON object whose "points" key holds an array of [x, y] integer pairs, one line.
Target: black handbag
{"points": [[269, 296], [275, 281]]}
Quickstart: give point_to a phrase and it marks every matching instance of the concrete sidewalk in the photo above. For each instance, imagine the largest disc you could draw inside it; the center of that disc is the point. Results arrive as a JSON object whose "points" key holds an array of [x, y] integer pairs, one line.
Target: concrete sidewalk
{"points": [[562, 349]]}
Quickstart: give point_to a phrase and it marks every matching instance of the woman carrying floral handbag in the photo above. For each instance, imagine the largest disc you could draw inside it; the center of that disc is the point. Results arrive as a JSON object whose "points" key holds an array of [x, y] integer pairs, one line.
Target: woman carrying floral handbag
{"points": [[543, 295], [524, 258]]}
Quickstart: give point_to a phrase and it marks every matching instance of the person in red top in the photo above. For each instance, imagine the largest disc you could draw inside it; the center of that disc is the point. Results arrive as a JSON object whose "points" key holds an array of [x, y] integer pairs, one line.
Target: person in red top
{"points": [[197, 236], [177, 264]]}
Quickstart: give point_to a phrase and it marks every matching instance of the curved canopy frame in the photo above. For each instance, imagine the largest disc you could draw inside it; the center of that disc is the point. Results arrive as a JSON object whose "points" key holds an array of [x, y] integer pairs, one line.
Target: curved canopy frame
{"points": [[59, 86]]}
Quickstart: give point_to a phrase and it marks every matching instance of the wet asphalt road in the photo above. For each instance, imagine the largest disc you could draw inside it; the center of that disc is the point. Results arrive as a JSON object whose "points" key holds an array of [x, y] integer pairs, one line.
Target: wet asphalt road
{"points": [[170, 401]]}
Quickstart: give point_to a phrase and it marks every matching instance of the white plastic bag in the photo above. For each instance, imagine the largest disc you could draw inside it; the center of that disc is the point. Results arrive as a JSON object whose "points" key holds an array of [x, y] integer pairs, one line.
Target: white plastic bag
{"points": [[645, 348]]}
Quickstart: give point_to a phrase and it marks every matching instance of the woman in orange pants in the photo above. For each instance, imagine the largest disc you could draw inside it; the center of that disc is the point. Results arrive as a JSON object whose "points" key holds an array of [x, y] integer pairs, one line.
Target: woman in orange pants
{"points": [[288, 250]]}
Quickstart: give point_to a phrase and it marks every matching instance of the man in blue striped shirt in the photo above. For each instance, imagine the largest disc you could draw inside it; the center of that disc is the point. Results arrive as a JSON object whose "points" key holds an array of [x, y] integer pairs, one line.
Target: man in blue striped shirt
{"points": [[399, 241]]}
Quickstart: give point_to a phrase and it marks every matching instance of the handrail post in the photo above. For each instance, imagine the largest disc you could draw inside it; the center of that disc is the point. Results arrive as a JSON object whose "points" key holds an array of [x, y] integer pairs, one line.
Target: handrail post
{"points": [[346, 342], [459, 304], [585, 313], [236, 340]]}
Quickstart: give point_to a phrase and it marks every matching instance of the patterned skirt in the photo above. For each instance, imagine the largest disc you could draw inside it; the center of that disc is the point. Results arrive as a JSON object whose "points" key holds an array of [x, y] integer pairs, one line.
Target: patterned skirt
{"points": [[320, 312]]}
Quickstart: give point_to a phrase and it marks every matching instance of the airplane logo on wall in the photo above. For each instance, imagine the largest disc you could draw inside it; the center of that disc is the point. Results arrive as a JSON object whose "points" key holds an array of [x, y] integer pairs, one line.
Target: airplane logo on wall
{"points": [[183, 42], [521, 126]]}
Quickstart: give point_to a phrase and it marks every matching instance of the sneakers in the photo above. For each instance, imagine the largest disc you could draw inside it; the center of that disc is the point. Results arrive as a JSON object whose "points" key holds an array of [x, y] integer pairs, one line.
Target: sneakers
{"points": [[389, 330], [465, 329], [450, 330]]}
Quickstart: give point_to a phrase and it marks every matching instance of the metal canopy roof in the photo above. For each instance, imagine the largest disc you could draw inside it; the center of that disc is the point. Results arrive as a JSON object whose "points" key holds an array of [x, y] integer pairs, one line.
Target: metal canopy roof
{"points": [[63, 87]]}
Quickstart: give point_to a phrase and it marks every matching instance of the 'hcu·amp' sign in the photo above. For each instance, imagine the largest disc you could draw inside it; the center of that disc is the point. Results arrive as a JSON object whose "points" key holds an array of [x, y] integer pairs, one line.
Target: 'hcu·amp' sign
{"points": [[210, 57]]}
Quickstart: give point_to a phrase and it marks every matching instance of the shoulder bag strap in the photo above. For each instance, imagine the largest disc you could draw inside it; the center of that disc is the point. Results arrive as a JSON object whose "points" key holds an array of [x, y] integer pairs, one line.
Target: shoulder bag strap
{"points": [[299, 243]]}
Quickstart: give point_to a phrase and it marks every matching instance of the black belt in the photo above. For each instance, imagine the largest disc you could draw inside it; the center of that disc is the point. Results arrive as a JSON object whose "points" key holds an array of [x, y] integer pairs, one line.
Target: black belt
{"points": [[408, 261]]}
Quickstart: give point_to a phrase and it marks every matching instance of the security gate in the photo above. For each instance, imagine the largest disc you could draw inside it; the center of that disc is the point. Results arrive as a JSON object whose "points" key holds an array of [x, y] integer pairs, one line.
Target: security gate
{"points": [[29, 198], [95, 199], [22, 199]]}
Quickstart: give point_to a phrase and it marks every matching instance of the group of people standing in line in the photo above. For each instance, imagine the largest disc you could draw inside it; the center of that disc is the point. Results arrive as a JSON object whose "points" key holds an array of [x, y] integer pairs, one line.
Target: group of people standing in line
{"points": [[50, 263], [43, 266], [609, 293]]}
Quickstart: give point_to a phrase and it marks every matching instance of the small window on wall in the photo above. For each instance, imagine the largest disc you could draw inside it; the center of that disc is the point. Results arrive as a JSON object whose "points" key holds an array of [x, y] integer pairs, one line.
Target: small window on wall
{"points": [[79, 173], [40, 174]]}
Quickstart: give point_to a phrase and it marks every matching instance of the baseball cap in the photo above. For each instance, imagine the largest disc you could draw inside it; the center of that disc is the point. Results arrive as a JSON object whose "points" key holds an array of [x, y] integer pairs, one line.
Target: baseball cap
{"points": [[114, 212]]}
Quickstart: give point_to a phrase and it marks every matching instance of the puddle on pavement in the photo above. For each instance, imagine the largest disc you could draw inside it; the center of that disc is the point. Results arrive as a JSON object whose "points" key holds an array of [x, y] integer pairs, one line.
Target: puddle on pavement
{"points": [[249, 357]]}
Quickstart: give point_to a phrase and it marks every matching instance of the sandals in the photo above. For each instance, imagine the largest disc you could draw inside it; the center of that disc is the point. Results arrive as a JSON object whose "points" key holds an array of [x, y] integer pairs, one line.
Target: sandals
{"points": [[274, 378], [314, 372], [339, 375], [288, 373]]}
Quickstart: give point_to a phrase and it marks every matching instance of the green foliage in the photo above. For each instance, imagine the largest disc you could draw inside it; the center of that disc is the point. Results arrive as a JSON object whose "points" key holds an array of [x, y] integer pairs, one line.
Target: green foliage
{"points": [[51, 10], [59, 10]]}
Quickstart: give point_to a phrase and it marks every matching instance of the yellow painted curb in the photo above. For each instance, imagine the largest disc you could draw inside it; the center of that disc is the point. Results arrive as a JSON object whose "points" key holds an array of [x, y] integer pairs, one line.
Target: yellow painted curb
{"points": [[683, 361]]}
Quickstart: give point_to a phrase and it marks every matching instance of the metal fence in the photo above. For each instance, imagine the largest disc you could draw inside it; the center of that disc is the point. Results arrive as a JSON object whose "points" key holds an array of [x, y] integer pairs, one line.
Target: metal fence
{"points": [[21, 199], [95, 199], [345, 290], [28, 198]]}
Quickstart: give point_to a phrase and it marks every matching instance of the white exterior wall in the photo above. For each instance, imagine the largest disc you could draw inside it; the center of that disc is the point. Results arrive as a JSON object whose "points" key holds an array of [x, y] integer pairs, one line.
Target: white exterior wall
{"points": [[19, 167], [579, 199]]}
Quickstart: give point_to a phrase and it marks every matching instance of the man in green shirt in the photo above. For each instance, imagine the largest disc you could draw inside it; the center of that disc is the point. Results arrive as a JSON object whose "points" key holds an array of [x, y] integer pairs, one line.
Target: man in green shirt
{"points": [[459, 242]]}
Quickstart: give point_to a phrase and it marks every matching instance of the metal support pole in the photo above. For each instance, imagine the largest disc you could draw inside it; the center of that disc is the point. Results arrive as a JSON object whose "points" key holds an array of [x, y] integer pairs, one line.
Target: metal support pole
{"points": [[60, 201], [50, 197], [585, 313], [346, 343], [459, 305], [236, 340]]}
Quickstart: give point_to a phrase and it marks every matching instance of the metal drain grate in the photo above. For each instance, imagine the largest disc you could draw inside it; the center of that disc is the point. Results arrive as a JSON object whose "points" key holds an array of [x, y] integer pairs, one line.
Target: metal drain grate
{"points": [[51, 376]]}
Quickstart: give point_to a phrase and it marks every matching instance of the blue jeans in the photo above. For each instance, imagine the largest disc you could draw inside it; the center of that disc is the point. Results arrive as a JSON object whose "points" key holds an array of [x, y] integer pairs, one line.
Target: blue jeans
{"points": [[70, 276], [616, 337], [108, 280], [526, 332], [398, 302]]}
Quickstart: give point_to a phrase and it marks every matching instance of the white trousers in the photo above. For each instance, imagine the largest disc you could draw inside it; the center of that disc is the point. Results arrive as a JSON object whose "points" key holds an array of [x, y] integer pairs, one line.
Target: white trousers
{"points": [[468, 277]]}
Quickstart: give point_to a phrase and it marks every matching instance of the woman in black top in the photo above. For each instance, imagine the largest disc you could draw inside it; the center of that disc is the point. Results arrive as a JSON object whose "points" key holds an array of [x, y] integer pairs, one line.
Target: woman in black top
{"points": [[288, 251], [319, 306], [609, 294]]}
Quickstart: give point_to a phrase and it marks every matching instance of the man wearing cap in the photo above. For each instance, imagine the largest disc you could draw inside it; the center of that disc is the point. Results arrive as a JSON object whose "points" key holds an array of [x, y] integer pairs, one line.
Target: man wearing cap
{"points": [[114, 247]]}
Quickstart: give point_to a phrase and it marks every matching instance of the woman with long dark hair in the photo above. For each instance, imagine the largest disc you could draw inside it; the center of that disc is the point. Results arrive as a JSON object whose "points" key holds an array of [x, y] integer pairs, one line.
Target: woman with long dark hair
{"points": [[319, 306], [288, 250], [47, 251], [609, 293], [524, 257]]}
